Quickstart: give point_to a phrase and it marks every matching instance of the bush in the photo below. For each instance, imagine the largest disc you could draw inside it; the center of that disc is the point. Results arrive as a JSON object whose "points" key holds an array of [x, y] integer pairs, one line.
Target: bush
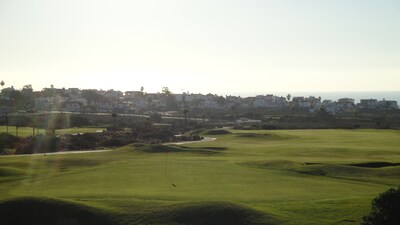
{"points": [[37, 144], [79, 121], [8, 141], [385, 209]]}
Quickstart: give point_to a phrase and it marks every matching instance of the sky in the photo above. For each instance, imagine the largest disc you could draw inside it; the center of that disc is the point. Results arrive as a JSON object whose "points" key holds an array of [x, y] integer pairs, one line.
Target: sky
{"points": [[204, 46]]}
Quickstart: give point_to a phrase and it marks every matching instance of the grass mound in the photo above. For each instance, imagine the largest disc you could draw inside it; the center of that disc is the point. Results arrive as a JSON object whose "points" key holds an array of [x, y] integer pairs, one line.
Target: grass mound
{"points": [[215, 214], [381, 175], [22, 211], [217, 132]]}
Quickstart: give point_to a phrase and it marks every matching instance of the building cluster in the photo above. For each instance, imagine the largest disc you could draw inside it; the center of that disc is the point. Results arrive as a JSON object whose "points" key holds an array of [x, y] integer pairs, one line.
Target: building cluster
{"points": [[107, 101]]}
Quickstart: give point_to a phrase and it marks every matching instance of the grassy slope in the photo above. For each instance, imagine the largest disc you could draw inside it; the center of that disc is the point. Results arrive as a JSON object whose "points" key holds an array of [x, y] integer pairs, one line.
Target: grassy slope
{"points": [[291, 176]]}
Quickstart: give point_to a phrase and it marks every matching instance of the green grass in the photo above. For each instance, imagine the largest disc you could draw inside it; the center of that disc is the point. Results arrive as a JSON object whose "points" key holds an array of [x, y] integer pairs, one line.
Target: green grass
{"points": [[22, 131], [28, 131], [267, 177]]}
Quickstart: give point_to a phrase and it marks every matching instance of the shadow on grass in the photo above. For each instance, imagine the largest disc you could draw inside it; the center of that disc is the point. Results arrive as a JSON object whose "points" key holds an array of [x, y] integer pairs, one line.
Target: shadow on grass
{"points": [[266, 137], [217, 132], [209, 213], [41, 211], [374, 164], [175, 148], [382, 172], [23, 211]]}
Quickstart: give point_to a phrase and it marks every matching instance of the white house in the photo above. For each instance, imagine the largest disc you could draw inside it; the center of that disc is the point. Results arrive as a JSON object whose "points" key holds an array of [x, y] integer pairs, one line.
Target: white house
{"points": [[72, 106], [209, 104]]}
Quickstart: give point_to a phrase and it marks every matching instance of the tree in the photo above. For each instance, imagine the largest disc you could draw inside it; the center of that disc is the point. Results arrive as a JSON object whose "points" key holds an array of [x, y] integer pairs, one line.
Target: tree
{"points": [[166, 91], [155, 118], [2, 84], [184, 100], [169, 98], [288, 97], [220, 100], [92, 95], [385, 209], [27, 100]]}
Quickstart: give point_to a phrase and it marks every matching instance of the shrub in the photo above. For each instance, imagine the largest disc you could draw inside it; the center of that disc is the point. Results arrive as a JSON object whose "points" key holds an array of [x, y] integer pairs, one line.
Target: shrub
{"points": [[385, 209], [8, 141]]}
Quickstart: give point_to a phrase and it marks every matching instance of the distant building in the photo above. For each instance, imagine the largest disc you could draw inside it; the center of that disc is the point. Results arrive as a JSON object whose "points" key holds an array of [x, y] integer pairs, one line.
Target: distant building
{"points": [[330, 107], [208, 104], [245, 121], [132, 94], [388, 105], [373, 104], [269, 101], [346, 104], [73, 106], [368, 104]]}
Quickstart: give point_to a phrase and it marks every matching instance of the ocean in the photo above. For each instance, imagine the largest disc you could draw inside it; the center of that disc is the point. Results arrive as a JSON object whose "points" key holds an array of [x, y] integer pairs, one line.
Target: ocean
{"points": [[334, 96]]}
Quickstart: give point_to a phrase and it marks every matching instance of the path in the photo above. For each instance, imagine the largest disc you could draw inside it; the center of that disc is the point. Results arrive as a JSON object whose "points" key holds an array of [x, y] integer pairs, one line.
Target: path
{"points": [[205, 139]]}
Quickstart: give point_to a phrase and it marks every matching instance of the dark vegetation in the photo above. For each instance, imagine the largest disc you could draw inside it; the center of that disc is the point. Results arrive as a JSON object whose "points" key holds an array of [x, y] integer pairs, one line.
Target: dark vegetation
{"points": [[126, 130], [276, 121], [385, 209], [375, 164], [8, 141], [22, 211], [217, 132], [217, 214]]}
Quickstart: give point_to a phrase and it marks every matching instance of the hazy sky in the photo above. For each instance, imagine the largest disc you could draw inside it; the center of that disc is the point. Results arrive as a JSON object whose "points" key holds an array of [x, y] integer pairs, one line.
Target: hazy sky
{"points": [[202, 46]]}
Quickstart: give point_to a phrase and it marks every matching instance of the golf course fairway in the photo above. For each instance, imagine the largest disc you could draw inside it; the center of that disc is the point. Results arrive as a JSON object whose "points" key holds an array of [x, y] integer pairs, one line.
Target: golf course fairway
{"points": [[296, 177]]}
